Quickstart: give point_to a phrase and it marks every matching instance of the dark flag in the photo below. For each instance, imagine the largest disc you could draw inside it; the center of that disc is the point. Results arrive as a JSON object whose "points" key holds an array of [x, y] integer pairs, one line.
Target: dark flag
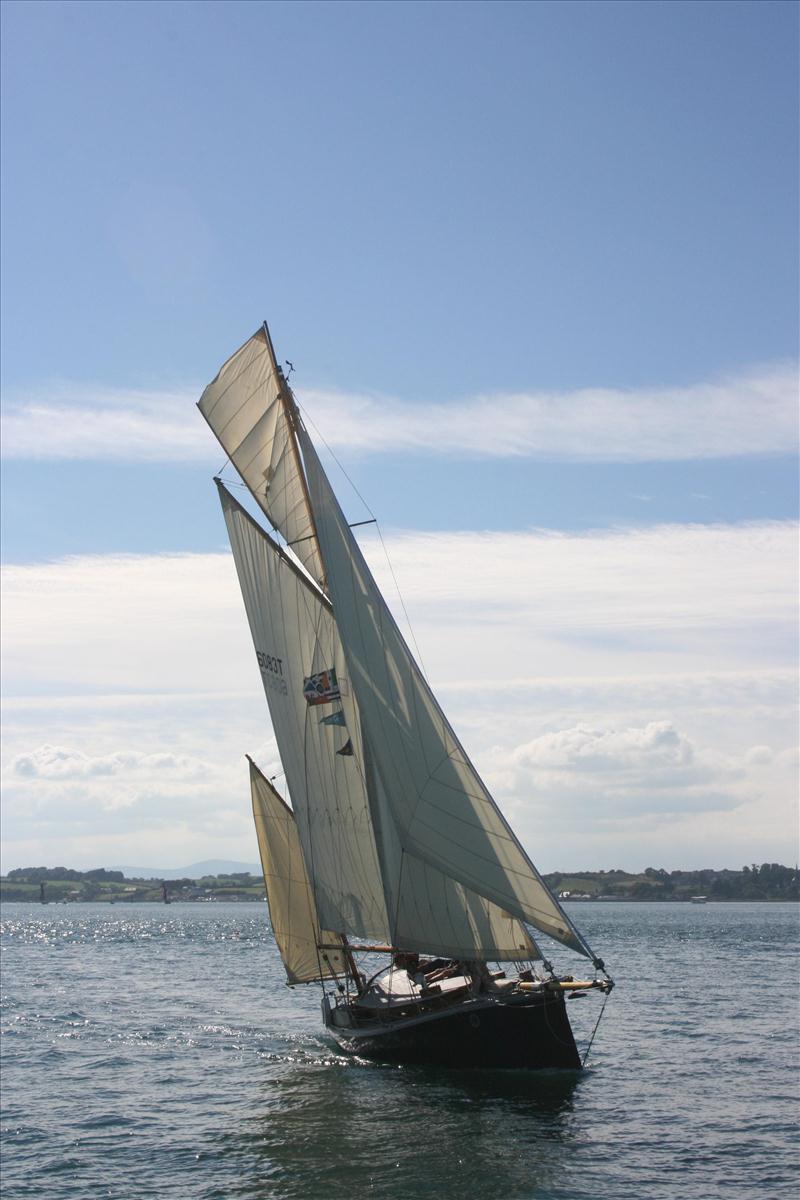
{"points": [[336, 718]]}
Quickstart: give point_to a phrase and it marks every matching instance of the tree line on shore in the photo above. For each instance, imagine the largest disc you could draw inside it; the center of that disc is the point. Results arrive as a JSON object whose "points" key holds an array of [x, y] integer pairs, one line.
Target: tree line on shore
{"points": [[767, 881], [62, 884]]}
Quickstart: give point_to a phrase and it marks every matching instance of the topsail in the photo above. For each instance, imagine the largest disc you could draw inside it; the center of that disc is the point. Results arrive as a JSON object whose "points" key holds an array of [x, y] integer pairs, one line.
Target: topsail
{"points": [[248, 408]]}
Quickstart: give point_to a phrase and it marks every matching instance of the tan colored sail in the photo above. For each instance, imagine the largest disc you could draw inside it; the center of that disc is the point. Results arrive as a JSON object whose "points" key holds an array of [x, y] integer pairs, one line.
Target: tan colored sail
{"points": [[292, 912], [249, 408], [295, 637]]}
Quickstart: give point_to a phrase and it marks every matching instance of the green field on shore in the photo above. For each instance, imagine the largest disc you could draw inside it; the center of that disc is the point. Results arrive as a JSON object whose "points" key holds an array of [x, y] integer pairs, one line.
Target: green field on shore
{"points": [[769, 881]]}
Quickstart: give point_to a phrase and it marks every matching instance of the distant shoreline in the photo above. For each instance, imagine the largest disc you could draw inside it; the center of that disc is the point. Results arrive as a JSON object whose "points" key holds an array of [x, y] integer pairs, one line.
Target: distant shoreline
{"points": [[261, 899], [766, 883]]}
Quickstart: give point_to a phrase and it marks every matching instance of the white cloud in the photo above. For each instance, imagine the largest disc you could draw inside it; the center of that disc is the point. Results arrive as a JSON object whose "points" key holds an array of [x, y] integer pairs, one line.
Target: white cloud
{"points": [[750, 414], [760, 755], [754, 413], [608, 773], [657, 752], [88, 802], [521, 607], [65, 421], [59, 762], [629, 696], [488, 607]]}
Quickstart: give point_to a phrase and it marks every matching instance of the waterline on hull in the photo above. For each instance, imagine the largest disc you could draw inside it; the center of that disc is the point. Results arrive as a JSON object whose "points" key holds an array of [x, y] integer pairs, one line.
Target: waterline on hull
{"points": [[533, 1034]]}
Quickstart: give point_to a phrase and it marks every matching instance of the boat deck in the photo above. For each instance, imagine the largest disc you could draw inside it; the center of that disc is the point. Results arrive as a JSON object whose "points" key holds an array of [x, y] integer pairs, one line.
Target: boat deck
{"points": [[397, 988]]}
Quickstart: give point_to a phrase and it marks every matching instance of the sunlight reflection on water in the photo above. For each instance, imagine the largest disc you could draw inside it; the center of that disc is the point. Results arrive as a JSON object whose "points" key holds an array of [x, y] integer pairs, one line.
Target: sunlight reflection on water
{"points": [[160, 1054]]}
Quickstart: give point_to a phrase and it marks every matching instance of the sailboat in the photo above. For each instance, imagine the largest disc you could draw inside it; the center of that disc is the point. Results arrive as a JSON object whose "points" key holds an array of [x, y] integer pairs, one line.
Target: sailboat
{"points": [[393, 880]]}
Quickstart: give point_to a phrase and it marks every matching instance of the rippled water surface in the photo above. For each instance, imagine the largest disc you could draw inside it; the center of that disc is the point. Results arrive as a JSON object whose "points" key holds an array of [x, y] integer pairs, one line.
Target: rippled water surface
{"points": [[156, 1052]]}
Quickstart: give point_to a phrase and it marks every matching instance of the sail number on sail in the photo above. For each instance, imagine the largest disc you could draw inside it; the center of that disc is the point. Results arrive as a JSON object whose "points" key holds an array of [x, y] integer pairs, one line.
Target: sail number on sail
{"points": [[274, 668]]}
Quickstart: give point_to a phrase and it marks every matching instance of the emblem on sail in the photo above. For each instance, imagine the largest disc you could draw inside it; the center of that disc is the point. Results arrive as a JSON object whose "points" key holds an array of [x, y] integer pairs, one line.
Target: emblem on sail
{"points": [[321, 688]]}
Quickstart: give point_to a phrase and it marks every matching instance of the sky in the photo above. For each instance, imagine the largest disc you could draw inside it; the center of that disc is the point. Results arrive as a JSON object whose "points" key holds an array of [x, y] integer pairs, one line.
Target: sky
{"points": [[536, 268]]}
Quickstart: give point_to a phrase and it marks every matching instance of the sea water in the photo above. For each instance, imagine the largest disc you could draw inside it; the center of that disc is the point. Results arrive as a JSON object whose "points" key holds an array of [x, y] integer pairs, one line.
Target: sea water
{"points": [[153, 1051]]}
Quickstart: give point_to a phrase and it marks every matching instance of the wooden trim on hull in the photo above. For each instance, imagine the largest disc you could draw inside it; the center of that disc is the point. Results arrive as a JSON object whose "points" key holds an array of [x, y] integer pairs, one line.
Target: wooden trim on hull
{"points": [[532, 1035]]}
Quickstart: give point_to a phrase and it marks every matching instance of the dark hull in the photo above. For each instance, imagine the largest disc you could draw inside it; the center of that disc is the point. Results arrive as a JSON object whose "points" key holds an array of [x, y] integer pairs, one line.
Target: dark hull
{"points": [[530, 1033]]}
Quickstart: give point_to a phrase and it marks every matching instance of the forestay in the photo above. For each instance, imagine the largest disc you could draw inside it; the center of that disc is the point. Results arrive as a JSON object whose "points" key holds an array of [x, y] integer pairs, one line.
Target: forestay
{"points": [[386, 894], [291, 902], [441, 810], [249, 410]]}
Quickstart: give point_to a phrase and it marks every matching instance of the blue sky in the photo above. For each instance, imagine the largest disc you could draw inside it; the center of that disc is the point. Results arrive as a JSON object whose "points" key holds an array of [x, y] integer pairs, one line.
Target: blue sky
{"points": [[428, 198], [536, 267]]}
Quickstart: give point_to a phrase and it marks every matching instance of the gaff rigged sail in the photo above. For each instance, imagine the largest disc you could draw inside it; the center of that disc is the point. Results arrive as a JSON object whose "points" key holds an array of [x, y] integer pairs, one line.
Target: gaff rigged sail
{"points": [[360, 889], [295, 637]]}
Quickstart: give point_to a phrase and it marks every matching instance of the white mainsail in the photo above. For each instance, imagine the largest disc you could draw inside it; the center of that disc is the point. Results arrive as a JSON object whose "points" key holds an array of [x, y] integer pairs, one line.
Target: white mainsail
{"points": [[295, 638], [248, 408], [293, 915], [392, 895], [442, 812]]}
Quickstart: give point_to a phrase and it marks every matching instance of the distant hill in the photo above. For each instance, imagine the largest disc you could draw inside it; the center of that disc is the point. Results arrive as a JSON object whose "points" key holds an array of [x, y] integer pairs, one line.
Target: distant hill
{"points": [[211, 866]]}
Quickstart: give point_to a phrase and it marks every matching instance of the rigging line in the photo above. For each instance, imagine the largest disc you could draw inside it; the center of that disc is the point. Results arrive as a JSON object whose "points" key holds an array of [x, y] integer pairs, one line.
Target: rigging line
{"points": [[352, 525], [420, 661], [380, 535], [232, 483], [333, 456], [594, 1031]]}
